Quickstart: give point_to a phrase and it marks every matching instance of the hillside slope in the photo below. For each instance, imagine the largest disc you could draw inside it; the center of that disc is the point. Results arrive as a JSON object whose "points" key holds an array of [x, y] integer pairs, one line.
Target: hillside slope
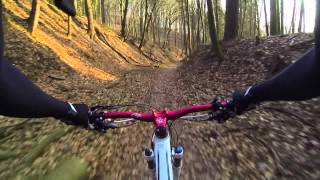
{"points": [[102, 58]]}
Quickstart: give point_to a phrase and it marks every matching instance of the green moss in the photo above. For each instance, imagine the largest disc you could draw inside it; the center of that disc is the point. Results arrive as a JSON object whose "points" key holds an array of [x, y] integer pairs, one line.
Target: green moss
{"points": [[71, 169], [40, 148]]}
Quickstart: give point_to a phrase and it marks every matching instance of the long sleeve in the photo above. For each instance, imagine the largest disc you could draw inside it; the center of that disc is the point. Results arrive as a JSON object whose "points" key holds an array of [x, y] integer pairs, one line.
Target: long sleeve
{"points": [[19, 97], [299, 81]]}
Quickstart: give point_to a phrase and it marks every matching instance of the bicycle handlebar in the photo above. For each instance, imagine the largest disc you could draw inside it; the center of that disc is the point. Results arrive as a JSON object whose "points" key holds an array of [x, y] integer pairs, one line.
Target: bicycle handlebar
{"points": [[223, 107], [170, 115]]}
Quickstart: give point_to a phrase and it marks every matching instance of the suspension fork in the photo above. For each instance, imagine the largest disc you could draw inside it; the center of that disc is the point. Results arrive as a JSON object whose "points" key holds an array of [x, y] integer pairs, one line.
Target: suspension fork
{"points": [[177, 161], [163, 161]]}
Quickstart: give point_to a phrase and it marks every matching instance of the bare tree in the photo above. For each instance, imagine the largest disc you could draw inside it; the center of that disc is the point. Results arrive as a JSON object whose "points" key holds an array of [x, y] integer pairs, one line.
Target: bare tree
{"points": [[124, 19], [147, 21], [216, 10], [103, 11], [317, 24], [199, 15], [89, 18], [243, 17], [302, 18], [282, 22], [69, 26], [34, 16], [293, 17], [266, 17], [274, 20], [231, 20], [213, 33], [188, 26], [257, 18]]}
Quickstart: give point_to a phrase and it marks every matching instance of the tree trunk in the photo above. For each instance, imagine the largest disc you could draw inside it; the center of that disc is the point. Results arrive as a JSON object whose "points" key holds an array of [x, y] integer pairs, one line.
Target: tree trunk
{"points": [[175, 34], [184, 29], [204, 22], [69, 26], [76, 7], [293, 17], [141, 18], [302, 18], [193, 32], [159, 30], [273, 17], [266, 17], [278, 18], [124, 19], [217, 17], [147, 23], [250, 19], [103, 12], [213, 32], [121, 10], [89, 18], [231, 20], [154, 30], [34, 16], [282, 15], [244, 17], [258, 18], [317, 25], [189, 27], [199, 21], [165, 31], [168, 35], [83, 7], [274, 21]]}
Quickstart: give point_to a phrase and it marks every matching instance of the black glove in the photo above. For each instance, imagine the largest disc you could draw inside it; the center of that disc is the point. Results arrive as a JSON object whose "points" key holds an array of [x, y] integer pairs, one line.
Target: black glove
{"points": [[78, 115], [67, 6], [223, 109], [243, 101]]}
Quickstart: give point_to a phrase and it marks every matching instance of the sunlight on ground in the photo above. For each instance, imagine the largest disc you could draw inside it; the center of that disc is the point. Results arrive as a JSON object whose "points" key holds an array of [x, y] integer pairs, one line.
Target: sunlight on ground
{"points": [[66, 54]]}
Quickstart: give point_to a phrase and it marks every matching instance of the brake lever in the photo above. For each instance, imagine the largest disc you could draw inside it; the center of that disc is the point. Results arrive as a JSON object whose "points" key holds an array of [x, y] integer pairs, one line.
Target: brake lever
{"points": [[97, 122], [224, 110], [221, 116]]}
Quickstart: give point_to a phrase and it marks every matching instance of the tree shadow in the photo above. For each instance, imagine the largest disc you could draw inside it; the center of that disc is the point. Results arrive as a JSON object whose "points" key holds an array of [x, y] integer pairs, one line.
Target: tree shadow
{"points": [[14, 18], [21, 5]]}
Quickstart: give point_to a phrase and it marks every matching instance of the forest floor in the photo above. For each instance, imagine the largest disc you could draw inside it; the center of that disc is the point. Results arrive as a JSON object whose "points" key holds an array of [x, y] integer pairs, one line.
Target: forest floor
{"points": [[278, 140]]}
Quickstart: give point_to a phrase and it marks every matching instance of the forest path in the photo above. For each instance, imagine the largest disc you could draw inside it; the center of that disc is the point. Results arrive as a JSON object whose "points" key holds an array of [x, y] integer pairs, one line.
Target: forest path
{"points": [[167, 94], [278, 140], [164, 88]]}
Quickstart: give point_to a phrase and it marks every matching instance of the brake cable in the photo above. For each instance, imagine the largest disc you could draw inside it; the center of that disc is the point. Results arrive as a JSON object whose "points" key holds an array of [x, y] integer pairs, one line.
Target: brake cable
{"points": [[117, 106]]}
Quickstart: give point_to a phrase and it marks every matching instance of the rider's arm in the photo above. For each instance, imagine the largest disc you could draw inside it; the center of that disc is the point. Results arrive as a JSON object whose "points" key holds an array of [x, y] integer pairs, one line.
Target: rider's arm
{"points": [[19, 97], [299, 81]]}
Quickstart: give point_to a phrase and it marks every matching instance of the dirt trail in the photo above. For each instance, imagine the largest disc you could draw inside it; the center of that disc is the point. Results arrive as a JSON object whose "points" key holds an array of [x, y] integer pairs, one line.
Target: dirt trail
{"points": [[164, 88], [276, 141], [197, 162]]}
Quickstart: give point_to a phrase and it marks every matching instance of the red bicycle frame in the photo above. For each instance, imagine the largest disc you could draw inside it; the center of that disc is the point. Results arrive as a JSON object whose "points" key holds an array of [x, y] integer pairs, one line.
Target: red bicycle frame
{"points": [[159, 118]]}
